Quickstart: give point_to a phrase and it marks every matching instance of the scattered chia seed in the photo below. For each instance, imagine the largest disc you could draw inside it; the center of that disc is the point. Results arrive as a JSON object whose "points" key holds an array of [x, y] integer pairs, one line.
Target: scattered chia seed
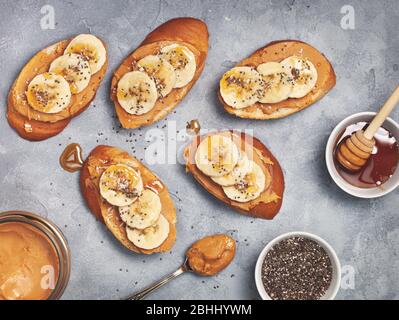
{"points": [[296, 268]]}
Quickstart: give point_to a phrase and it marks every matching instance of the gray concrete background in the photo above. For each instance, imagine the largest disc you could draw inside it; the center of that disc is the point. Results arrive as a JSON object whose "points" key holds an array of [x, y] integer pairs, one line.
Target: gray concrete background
{"points": [[365, 233]]}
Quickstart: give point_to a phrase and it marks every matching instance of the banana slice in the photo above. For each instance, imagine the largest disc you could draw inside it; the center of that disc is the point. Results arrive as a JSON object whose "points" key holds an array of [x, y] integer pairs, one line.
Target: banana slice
{"points": [[49, 93], [90, 48], [142, 213], [120, 185], [182, 60], [240, 87], [302, 73], [250, 187], [161, 71], [74, 69], [237, 174], [136, 92], [151, 237], [276, 83], [216, 155]]}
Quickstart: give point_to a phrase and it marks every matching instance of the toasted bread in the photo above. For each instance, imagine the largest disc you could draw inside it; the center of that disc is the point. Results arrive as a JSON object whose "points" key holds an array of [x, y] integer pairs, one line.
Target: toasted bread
{"points": [[278, 51], [35, 125], [98, 160], [190, 32], [268, 204]]}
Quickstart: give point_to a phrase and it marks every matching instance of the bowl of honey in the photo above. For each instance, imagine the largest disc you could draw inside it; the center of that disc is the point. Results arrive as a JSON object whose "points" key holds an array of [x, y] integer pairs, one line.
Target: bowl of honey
{"points": [[380, 174]]}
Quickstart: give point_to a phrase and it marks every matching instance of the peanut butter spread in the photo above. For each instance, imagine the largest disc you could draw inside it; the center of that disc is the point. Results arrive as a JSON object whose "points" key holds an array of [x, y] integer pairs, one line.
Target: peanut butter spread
{"points": [[26, 256], [211, 254], [276, 52], [267, 196], [97, 162], [162, 106], [40, 63]]}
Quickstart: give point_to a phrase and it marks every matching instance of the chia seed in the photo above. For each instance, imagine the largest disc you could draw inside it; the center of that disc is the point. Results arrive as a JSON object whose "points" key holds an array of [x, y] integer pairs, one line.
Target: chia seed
{"points": [[296, 268]]}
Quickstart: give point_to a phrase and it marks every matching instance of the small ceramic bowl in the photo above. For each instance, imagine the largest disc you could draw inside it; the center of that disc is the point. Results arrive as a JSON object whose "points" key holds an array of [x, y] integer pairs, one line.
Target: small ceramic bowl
{"points": [[336, 266], [384, 189]]}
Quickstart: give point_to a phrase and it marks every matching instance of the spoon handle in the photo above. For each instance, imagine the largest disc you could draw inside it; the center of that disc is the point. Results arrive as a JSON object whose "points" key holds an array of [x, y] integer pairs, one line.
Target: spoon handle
{"points": [[142, 294], [382, 114]]}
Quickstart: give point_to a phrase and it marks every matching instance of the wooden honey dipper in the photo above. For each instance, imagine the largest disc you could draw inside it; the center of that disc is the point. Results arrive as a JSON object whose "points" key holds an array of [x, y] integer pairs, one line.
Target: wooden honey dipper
{"points": [[354, 151]]}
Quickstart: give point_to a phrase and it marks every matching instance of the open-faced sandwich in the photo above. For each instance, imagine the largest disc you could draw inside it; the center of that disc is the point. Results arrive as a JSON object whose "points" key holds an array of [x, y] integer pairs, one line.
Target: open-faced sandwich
{"points": [[154, 78], [58, 83], [131, 200], [277, 80], [238, 170]]}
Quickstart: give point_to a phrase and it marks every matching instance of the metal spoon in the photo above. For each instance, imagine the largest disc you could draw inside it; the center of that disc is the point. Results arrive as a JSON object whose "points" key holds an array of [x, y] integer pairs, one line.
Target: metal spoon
{"points": [[185, 267]]}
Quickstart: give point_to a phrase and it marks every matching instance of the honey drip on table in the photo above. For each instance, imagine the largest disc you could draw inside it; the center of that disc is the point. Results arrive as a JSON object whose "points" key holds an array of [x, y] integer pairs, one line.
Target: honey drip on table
{"points": [[71, 158], [193, 127]]}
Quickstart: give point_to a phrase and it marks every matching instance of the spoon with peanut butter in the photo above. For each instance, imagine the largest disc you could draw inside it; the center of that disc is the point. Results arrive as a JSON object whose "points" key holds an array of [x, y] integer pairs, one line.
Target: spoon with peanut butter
{"points": [[206, 257]]}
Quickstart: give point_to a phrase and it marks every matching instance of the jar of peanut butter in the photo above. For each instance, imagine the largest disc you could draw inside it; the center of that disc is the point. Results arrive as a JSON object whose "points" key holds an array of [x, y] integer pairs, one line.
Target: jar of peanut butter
{"points": [[35, 259]]}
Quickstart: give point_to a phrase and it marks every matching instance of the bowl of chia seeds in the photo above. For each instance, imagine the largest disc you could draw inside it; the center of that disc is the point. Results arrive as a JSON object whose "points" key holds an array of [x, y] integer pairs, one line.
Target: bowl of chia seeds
{"points": [[298, 266]]}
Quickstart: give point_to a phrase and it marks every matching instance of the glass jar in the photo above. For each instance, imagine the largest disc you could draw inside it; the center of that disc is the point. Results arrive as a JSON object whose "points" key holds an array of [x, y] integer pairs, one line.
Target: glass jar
{"points": [[56, 238]]}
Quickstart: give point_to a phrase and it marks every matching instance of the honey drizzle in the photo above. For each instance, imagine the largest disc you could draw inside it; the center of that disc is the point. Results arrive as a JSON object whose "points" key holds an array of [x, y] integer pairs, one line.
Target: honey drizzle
{"points": [[155, 186], [71, 158]]}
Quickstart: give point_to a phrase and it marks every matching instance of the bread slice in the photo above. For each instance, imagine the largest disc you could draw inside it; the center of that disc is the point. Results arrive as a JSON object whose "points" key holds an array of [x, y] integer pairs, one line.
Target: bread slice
{"points": [[96, 163], [190, 32], [35, 125], [278, 51], [268, 204]]}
